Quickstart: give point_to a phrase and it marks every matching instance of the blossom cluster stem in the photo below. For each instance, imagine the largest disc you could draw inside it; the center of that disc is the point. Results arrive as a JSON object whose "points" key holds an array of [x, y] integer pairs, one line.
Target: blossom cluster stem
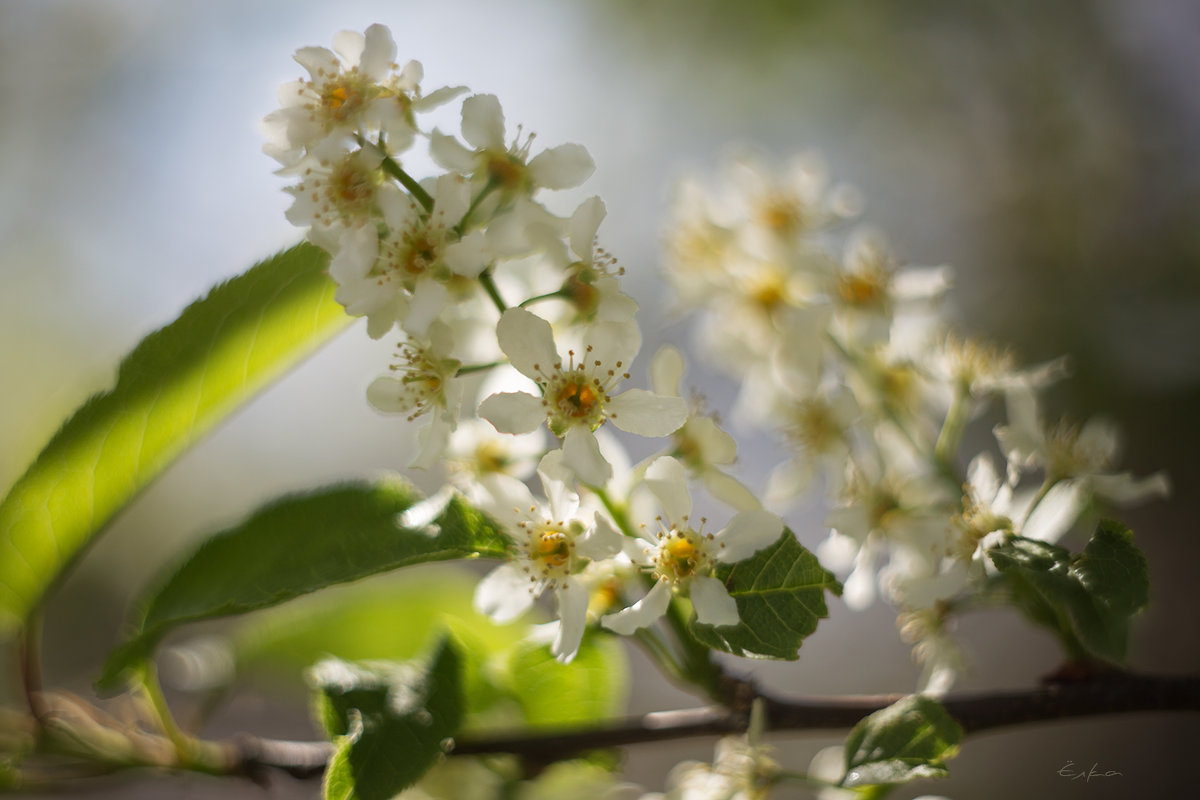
{"points": [[408, 182], [489, 286]]}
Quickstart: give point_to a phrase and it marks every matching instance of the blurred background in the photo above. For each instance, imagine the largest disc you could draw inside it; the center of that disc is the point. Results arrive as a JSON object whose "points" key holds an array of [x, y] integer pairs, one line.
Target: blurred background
{"points": [[1048, 152]]}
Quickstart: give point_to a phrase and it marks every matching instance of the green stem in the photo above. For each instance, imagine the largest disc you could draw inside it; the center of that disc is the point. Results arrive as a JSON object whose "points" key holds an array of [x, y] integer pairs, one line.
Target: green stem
{"points": [[396, 171], [953, 427], [29, 647], [469, 368], [162, 713], [484, 192], [618, 512], [489, 286], [541, 297]]}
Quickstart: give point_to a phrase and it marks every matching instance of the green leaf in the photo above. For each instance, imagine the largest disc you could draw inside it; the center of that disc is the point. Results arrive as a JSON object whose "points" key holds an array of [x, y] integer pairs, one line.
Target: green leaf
{"points": [[593, 687], [389, 617], [170, 391], [391, 722], [912, 738], [1087, 599], [780, 594], [302, 543]]}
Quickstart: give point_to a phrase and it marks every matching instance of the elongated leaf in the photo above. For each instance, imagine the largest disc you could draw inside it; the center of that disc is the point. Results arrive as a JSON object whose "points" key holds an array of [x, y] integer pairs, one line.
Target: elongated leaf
{"points": [[302, 543], [171, 390], [780, 594], [912, 738], [391, 722], [593, 687], [1087, 599]]}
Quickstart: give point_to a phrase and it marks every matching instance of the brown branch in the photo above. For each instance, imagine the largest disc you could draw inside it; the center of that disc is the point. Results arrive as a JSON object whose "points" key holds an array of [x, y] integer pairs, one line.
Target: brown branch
{"points": [[1111, 694]]}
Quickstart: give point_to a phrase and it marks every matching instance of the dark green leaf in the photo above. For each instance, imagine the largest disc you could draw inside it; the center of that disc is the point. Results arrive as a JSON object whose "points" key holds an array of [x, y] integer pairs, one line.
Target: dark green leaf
{"points": [[780, 594], [170, 391], [299, 544], [391, 722], [912, 738], [1113, 570], [593, 687], [1087, 599]]}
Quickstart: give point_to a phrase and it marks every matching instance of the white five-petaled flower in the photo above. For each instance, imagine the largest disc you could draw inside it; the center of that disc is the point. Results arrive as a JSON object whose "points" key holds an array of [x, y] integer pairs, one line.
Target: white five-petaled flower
{"points": [[576, 393], [682, 557], [403, 274], [552, 543], [507, 166], [352, 92], [425, 384]]}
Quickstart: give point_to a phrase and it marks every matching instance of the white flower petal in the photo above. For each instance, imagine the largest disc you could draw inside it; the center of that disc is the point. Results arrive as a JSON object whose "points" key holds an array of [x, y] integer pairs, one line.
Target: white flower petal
{"points": [[716, 446], [746, 534], [641, 614], [602, 541], [666, 370], [712, 602], [581, 454], [572, 610], [1100, 439], [647, 414], [583, 226], [388, 395], [483, 122], [378, 53], [1056, 512], [447, 153], [504, 594], [438, 97], [1124, 489], [667, 479], [428, 300], [468, 256], [510, 499], [349, 45], [410, 75], [613, 344], [513, 412], [837, 552], [729, 490], [432, 440], [528, 341], [859, 589], [561, 167]]}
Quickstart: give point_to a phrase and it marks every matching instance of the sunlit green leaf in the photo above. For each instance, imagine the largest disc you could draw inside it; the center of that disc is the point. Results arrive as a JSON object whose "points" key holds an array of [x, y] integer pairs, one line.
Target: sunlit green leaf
{"points": [[912, 738], [1087, 599], [170, 391], [780, 594], [593, 686], [302, 543], [391, 722]]}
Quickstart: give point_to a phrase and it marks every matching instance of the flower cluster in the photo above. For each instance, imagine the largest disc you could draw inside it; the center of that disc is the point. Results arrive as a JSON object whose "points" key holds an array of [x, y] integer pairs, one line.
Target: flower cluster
{"points": [[480, 279], [845, 357]]}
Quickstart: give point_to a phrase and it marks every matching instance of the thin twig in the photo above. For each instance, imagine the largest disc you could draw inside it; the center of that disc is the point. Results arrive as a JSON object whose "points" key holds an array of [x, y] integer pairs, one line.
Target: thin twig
{"points": [[1112, 694]]}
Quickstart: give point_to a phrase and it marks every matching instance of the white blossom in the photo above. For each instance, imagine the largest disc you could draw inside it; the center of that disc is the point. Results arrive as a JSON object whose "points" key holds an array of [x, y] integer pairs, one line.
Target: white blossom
{"points": [[681, 556], [577, 392], [553, 540]]}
